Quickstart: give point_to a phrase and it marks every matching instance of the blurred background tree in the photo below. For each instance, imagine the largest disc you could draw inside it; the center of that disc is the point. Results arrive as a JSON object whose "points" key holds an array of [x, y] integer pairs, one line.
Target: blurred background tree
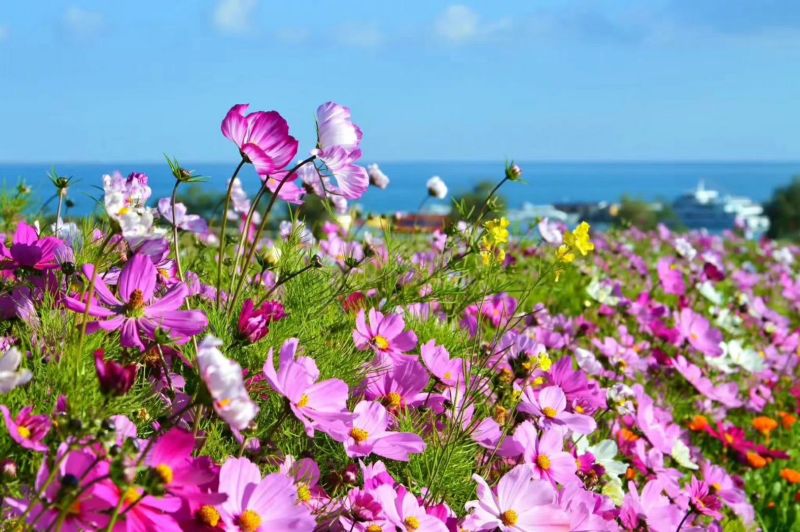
{"points": [[634, 212], [783, 211]]}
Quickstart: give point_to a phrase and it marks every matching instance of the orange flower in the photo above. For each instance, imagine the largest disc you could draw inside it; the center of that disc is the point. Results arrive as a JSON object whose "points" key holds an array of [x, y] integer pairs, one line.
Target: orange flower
{"points": [[755, 460], [698, 423], [791, 476], [630, 474], [787, 420], [765, 425], [628, 435]]}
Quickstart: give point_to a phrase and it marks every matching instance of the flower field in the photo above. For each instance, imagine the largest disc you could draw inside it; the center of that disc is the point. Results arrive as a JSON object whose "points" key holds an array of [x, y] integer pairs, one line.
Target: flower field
{"points": [[162, 371]]}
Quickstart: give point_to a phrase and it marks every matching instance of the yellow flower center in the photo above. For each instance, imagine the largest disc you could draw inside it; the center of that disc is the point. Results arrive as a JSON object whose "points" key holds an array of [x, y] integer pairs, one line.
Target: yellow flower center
{"points": [[381, 343], [360, 435], [249, 521], [303, 402], [579, 409], [549, 412], [165, 473], [131, 496], [543, 461], [75, 508], [136, 304], [448, 376], [509, 518], [224, 403], [374, 528], [303, 492], [412, 523], [394, 400], [24, 432], [123, 211], [208, 515]]}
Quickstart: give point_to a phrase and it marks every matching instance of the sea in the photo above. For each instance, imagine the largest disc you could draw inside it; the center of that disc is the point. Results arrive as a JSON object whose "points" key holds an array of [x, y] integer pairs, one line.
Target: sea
{"points": [[543, 182]]}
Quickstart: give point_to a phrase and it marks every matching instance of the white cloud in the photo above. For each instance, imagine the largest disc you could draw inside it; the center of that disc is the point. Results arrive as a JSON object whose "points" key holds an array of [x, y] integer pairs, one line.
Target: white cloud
{"points": [[292, 36], [360, 35], [234, 16], [81, 23], [459, 24]]}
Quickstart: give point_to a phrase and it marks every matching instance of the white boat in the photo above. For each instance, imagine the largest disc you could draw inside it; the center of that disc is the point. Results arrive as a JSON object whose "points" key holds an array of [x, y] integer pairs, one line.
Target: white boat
{"points": [[705, 208]]}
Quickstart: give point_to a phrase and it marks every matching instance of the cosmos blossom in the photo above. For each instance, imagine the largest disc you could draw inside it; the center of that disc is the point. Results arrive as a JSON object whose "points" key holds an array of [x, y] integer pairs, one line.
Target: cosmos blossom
{"points": [[138, 312], [369, 435], [550, 404], [384, 334], [27, 430], [29, 251]]}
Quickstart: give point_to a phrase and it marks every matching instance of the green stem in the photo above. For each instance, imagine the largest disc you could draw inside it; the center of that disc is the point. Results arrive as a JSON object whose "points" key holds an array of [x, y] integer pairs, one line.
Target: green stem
{"points": [[175, 232], [224, 225]]}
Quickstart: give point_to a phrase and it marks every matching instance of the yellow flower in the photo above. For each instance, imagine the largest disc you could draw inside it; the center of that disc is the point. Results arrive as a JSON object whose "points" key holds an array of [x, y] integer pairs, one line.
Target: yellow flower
{"points": [[579, 239], [544, 362], [563, 254], [498, 230]]}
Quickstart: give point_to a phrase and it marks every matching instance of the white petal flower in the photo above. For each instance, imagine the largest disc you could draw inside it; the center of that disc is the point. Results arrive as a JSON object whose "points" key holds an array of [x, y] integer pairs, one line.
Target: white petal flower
{"points": [[10, 375]]}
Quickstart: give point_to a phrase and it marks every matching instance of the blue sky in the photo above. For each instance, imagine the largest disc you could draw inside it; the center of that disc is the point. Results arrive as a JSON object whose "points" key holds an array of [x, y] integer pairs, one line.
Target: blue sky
{"points": [[84, 80]]}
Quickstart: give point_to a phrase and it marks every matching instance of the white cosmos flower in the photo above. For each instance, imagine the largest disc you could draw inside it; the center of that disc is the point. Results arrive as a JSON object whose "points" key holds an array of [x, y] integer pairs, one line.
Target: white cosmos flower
{"points": [[10, 374], [746, 358], [602, 292], [436, 187], [376, 177], [550, 232], [685, 248], [680, 452], [223, 378], [587, 361], [709, 292]]}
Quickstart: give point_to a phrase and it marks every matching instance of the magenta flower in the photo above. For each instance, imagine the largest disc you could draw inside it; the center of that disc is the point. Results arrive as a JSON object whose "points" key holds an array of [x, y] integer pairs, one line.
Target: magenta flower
{"points": [[27, 430], [262, 137], [318, 405], [450, 371], [368, 435], [549, 405], [545, 452], [140, 314], [400, 387], [696, 329], [115, 379], [338, 141], [140, 511], [181, 474], [29, 251], [726, 394], [703, 499], [671, 277], [520, 504], [254, 322], [404, 512], [383, 334], [79, 473], [498, 309], [256, 504]]}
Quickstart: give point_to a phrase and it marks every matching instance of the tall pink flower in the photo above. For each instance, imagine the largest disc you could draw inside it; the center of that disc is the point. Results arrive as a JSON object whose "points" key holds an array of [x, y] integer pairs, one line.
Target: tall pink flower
{"points": [[256, 504], [29, 251], [450, 371], [699, 332], [138, 313], [671, 277], [369, 435], [383, 334], [262, 138], [318, 405], [520, 504], [181, 474], [400, 387], [26, 429], [404, 511], [550, 405], [545, 452]]}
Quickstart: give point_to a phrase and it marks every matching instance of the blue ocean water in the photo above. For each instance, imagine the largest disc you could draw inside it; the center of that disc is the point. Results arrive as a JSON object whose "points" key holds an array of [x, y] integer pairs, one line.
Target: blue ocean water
{"points": [[545, 183]]}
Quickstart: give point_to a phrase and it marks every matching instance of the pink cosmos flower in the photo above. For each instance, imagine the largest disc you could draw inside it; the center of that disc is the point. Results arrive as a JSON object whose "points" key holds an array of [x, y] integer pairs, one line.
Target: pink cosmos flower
{"points": [[27, 430], [306, 475], [671, 277], [726, 488], [498, 309], [400, 387], [383, 334], [338, 140], [450, 371], [192, 223], [550, 406], [139, 511], [368, 435], [726, 394], [651, 508], [115, 379], [545, 452], [403, 511], [29, 251], [256, 504], [78, 473], [181, 474], [318, 405], [139, 314], [704, 499], [698, 331], [262, 138], [254, 322], [520, 504]]}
